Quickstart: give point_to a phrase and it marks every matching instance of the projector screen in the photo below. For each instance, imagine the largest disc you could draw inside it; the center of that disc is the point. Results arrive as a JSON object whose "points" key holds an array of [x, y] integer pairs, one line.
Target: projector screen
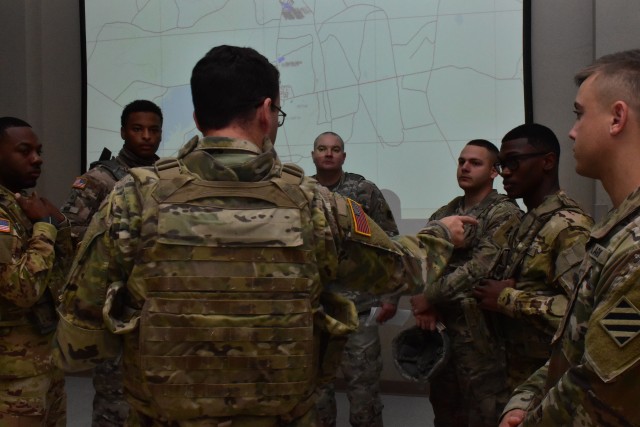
{"points": [[406, 83]]}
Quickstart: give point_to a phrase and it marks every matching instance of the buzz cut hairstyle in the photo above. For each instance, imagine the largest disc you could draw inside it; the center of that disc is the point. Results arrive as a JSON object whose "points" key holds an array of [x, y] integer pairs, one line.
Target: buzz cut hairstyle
{"points": [[537, 135], [139, 106], [11, 122], [488, 145], [618, 76], [340, 140]]}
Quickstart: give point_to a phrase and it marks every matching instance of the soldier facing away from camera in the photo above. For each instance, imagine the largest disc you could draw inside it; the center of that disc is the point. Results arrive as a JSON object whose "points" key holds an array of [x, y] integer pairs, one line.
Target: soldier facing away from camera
{"points": [[208, 270]]}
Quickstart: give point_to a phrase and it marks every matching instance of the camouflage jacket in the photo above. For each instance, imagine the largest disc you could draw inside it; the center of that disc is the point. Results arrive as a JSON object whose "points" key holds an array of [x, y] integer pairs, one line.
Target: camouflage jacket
{"points": [[369, 196], [481, 250], [545, 253], [592, 377], [90, 189], [33, 261], [343, 249]]}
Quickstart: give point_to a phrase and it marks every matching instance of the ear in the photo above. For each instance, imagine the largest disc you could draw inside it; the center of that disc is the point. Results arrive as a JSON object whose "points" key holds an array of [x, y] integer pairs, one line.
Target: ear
{"points": [[494, 172], [619, 117], [263, 115], [122, 133], [550, 161]]}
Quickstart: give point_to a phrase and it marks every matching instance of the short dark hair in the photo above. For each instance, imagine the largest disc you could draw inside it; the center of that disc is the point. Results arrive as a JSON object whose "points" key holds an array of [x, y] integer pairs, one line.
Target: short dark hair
{"points": [[229, 82], [488, 145], [621, 76], [537, 135], [340, 140], [11, 122], [139, 106]]}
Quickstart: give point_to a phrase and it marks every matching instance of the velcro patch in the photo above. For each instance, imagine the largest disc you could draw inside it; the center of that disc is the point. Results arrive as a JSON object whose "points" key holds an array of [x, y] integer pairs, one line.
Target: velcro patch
{"points": [[5, 225], [80, 183], [359, 219], [622, 322]]}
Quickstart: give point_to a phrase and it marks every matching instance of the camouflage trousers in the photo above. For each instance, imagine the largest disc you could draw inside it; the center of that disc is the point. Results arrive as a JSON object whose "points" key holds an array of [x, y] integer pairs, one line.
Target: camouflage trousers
{"points": [[38, 401], [110, 409], [361, 366], [310, 419], [471, 391]]}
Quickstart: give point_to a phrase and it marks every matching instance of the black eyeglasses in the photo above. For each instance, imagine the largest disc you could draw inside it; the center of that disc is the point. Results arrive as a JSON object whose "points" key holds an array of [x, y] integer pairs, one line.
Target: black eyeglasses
{"points": [[281, 115], [513, 162]]}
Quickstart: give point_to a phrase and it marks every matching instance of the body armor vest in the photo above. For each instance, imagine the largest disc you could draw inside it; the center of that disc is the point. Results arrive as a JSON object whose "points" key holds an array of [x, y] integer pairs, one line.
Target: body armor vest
{"points": [[229, 283]]}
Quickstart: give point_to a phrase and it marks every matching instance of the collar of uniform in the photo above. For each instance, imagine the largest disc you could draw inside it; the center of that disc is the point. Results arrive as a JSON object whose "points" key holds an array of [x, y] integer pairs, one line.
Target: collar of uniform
{"points": [[629, 206], [219, 143]]}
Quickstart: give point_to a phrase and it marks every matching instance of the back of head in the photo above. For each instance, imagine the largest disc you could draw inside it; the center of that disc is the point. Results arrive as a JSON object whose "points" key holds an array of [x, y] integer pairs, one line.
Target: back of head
{"points": [[617, 76], [139, 106], [537, 135], [11, 122], [228, 83]]}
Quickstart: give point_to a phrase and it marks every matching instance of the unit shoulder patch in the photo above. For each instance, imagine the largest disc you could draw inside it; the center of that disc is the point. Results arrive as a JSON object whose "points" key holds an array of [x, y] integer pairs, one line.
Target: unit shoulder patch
{"points": [[360, 220], [80, 183], [622, 322]]}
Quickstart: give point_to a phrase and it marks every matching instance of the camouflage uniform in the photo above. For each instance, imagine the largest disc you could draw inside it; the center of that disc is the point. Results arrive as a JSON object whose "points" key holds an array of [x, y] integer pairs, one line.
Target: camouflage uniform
{"points": [[361, 362], [136, 235], [471, 389], [33, 261], [592, 377], [87, 193], [544, 256]]}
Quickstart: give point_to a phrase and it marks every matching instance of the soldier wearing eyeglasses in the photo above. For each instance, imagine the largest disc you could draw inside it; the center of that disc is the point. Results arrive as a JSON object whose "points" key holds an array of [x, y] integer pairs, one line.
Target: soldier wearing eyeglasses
{"points": [[530, 287]]}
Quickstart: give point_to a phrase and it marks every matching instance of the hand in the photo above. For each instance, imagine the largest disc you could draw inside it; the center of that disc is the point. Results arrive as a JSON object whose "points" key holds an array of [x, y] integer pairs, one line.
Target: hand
{"points": [[488, 291], [33, 206], [455, 224], [419, 304], [513, 418], [387, 311], [427, 320]]}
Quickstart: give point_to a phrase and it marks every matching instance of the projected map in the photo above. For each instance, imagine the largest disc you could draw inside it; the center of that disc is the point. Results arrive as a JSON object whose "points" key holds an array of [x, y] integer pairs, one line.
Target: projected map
{"points": [[406, 83]]}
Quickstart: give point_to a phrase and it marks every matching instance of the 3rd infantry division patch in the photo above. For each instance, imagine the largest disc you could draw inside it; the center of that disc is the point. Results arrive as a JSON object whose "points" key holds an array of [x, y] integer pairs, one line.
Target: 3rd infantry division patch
{"points": [[622, 322]]}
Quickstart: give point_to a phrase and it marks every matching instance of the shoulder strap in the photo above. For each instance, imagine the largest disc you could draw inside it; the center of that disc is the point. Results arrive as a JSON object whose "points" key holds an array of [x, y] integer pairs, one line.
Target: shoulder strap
{"points": [[113, 166]]}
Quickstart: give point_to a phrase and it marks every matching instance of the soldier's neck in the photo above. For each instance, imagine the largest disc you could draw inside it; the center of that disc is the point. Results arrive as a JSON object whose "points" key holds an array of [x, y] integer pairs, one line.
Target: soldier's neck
{"points": [[474, 198], [329, 178]]}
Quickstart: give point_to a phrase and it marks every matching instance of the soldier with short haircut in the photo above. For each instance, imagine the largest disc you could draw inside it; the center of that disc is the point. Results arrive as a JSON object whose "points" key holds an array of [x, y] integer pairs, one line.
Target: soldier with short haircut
{"points": [[35, 250], [470, 390], [141, 130], [209, 269], [361, 363], [593, 376], [532, 285]]}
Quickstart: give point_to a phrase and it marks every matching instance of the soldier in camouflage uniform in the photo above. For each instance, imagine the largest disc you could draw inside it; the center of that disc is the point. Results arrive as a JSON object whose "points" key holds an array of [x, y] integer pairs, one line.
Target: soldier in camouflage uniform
{"points": [[471, 389], [209, 269], [361, 362], [141, 130], [593, 376], [532, 285], [35, 249]]}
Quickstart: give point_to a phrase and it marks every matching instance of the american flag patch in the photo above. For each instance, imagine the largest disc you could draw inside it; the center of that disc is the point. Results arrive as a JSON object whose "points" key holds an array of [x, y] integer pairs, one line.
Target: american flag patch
{"points": [[79, 183], [359, 219], [5, 225], [622, 322]]}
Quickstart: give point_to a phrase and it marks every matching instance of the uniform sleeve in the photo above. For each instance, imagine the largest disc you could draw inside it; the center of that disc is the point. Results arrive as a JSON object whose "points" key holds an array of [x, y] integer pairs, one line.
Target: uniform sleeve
{"points": [[25, 274], [546, 309], [87, 193], [376, 263], [104, 257], [484, 256], [603, 388]]}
